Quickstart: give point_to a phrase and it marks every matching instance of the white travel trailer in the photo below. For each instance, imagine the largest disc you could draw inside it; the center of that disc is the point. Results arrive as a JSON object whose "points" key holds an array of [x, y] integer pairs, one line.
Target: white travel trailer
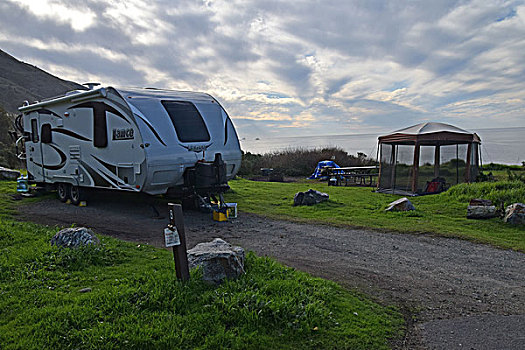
{"points": [[143, 140]]}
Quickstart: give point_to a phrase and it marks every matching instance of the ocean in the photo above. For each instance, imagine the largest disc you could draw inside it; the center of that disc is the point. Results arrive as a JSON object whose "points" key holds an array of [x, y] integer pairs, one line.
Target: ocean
{"points": [[501, 145]]}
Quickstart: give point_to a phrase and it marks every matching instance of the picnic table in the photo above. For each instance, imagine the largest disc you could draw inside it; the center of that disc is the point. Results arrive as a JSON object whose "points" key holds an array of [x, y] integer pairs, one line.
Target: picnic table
{"points": [[355, 175]]}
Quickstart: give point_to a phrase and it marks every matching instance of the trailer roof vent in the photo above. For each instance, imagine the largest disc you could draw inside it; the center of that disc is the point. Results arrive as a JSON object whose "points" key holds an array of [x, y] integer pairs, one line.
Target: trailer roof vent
{"points": [[91, 85]]}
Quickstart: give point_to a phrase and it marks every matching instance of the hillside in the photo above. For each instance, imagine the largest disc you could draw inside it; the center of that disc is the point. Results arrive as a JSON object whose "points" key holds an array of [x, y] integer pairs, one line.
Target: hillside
{"points": [[20, 81]]}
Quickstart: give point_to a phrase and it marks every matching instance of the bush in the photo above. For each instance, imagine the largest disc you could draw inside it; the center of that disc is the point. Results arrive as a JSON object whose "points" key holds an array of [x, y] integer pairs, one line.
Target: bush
{"points": [[7, 147], [299, 161], [495, 166], [515, 176]]}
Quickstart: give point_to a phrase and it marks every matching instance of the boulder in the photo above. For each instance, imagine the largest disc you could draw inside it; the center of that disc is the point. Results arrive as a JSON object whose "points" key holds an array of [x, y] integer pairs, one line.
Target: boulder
{"points": [[8, 174], [298, 199], [402, 204], [74, 237], [480, 202], [515, 214], [481, 211], [309, 197], [218, 259]]}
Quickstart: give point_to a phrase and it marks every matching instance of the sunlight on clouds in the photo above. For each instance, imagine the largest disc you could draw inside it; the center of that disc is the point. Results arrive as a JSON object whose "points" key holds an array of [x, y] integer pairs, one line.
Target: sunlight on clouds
{"points": [[139, 20], [79, 18], [268, 115], [296, 65]]}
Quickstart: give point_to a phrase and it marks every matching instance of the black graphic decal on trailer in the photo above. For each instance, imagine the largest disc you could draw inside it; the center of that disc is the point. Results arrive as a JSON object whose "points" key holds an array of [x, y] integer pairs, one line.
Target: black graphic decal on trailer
{"points": [[196, 148], [226, 131], [100, 128], [47, 111], [151, 128], [101, 106], [63, 159], [70, 133], [111, 168], [113, 171], [98, 179]]}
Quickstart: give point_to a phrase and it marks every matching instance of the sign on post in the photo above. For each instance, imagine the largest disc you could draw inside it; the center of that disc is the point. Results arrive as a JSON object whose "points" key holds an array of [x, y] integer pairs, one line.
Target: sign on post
{"points": [[171, 236]]}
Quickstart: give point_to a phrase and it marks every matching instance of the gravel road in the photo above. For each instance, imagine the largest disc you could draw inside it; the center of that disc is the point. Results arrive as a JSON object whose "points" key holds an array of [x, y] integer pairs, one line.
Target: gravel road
{"points": [[454, 294]]}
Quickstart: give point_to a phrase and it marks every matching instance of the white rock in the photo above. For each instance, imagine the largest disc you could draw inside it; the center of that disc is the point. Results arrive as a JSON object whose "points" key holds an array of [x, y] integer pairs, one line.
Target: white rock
{"points": [[402, 204], [74, 237], [218, 259], [515, 214], [481, 211]]}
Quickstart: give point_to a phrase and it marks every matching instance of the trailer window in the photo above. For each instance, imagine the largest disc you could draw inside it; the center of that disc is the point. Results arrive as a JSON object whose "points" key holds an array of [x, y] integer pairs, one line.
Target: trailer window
{"points": [[100, 128], [188, 122], [34, 130]]}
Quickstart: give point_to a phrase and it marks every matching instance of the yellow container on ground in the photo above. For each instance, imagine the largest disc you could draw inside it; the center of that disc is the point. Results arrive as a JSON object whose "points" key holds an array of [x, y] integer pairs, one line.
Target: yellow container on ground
{"points": [[217, 216]]}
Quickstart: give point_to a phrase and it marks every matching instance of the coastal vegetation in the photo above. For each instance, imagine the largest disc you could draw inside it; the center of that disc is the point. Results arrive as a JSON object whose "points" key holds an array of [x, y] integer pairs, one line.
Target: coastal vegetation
{"points": [[442, 214], [124, 295], [299, 161], [7, 146]]}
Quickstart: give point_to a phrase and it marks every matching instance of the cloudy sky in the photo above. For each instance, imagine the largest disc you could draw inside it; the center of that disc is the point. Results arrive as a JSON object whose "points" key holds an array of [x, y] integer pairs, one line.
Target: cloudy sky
{"points": [[291, 68]]}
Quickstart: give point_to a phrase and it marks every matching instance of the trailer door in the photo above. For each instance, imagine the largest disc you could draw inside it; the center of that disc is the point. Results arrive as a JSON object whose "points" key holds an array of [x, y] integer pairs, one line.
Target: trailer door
{"points": [[34, 147], [47, 156], [53, 157]]}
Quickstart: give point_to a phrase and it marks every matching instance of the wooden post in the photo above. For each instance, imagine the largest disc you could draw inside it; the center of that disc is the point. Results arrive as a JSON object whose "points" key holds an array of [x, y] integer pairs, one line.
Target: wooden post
{"points": [[179, 251]]}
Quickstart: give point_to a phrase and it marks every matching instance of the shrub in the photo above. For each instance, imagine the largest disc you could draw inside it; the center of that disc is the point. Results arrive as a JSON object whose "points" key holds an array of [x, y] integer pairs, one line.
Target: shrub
{"points": [[7, 147], [299, 161], [495, 166]]}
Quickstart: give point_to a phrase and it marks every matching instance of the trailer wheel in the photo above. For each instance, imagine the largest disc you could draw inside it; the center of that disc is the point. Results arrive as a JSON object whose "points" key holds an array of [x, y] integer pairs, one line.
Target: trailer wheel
{"points": [[63, 191], [75, 194]]}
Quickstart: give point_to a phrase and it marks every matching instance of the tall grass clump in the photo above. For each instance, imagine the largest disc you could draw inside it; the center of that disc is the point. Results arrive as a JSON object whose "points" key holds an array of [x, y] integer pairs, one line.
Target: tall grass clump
{"points": [[500, 192], [299, 161]]}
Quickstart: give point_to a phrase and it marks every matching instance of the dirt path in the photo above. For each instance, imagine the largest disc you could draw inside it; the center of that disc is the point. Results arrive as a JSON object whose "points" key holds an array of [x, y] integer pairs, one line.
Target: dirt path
{"points": [[458, 295]]}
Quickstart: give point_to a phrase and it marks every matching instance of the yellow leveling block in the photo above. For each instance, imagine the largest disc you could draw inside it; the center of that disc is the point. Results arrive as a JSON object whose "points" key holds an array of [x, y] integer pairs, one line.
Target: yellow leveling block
{"points": [[218, 216]]}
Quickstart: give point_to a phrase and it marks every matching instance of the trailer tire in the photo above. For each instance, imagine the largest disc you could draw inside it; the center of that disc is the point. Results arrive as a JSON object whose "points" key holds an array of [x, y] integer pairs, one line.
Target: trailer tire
{"points": [[75, 194], [63, 191]]}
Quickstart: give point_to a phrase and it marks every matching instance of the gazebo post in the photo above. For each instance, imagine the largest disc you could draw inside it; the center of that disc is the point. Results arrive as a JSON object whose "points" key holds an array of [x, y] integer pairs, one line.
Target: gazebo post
{"points": [[416, 167], [437, 160], [393, 173], [379, 155], [469, 154]]}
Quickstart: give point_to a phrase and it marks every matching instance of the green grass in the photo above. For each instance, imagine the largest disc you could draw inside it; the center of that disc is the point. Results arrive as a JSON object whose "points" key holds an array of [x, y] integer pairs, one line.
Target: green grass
{"points": [[443, 214], [136, 303]]}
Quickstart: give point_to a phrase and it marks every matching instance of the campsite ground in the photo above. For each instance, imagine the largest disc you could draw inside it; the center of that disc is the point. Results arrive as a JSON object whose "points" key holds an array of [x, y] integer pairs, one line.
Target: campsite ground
{"points": [[455, 294]]}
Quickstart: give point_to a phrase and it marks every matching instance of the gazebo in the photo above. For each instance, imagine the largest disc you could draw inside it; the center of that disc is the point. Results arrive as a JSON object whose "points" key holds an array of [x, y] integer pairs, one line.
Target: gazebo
{"points": [[427, 158]]}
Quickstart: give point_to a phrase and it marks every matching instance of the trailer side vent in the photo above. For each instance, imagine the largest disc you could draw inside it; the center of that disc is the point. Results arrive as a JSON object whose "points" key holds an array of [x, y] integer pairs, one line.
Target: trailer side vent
{"points": [[74, 152]]}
